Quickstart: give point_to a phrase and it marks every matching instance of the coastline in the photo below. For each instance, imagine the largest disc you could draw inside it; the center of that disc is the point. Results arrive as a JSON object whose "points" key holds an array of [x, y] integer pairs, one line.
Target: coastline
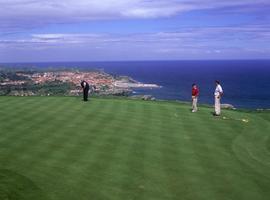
{"points": [[66, 82], [176, 77], [125, 84]]}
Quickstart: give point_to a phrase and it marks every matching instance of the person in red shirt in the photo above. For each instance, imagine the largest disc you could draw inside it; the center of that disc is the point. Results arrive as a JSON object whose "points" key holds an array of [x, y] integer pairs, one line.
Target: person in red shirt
{"points": [[194, 96]]}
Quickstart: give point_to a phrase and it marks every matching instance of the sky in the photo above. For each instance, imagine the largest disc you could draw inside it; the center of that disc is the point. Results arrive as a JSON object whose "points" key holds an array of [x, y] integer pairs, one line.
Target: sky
{"points": [[108, 30]]}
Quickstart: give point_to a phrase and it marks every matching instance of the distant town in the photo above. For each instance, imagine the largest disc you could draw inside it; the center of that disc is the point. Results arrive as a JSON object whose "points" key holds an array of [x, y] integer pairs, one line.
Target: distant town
{"points": [[65, 82]]}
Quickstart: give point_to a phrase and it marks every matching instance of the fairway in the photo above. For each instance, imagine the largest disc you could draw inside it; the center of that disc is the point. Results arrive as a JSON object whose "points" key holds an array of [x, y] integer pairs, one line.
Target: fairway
{"points": [[61, 148]]}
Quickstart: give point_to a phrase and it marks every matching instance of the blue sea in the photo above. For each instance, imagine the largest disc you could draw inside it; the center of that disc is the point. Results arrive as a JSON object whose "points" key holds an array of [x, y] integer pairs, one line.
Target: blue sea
{"points": [[246, 83]]}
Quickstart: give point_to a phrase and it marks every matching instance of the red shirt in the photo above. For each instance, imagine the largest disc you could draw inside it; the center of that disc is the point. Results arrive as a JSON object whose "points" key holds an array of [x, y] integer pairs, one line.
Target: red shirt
{"points": [[195, 91]]}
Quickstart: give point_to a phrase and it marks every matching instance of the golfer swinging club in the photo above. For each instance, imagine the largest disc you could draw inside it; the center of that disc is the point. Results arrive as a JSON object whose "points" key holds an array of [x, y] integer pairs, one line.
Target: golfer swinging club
{"points": [[85, 87]]}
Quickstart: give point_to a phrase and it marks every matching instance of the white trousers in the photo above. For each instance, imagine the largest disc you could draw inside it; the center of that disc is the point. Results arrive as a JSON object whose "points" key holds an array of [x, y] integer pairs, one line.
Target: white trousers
{"points": [[217, 105], [194, 103]]}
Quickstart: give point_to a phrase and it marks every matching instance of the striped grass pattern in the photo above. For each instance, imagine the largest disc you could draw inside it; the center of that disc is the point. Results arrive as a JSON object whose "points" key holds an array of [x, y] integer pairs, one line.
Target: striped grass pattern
{"points": [[61, 148]]}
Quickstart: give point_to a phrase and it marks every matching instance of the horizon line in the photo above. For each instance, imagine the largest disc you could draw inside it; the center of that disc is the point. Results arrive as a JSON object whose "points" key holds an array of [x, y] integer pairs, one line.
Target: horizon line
{"points": [[149, 60]]}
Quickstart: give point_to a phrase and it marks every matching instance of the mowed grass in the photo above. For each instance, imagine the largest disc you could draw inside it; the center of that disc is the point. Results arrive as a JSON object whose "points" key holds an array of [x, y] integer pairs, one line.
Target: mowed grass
{"points": [[60, 148]]}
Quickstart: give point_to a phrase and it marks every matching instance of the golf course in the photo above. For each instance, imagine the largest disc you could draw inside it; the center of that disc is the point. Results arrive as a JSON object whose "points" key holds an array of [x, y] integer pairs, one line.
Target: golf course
{"points": [[61, 148]]}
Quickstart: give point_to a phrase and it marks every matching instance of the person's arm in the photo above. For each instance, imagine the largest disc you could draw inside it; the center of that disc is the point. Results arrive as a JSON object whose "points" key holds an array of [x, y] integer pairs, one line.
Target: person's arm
{"points": [[220, 91], [192, 94]]}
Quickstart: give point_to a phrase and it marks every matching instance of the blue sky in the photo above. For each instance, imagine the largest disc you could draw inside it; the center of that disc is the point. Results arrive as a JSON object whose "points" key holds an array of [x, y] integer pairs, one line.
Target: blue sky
{"points": [[104, 30]]}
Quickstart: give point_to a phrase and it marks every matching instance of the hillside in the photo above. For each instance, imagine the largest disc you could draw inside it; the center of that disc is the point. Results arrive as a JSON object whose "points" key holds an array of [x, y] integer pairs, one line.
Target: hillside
{"points": [[60, 148]]}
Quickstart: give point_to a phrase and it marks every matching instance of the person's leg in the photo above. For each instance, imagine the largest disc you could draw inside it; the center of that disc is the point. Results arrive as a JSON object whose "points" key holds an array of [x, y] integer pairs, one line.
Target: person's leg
{"points": [[217, 106], [195, 104], [85, 93]]}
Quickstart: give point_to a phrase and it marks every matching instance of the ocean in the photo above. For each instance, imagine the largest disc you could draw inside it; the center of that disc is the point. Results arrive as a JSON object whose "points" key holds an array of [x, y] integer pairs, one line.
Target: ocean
{"points": [[246, 83]]}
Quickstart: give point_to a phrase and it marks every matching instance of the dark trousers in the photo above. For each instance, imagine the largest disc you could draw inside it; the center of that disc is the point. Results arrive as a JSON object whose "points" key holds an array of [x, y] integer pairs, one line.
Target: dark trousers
{"points": [[85, 94]]}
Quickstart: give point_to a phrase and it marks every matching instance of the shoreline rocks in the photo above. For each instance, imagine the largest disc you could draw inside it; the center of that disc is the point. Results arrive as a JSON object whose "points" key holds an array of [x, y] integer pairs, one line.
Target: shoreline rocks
{"points": [[228, 106], [143, 97]]}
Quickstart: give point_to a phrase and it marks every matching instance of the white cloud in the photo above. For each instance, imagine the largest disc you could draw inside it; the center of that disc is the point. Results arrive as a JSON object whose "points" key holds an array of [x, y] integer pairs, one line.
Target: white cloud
{"points": [[213, 37], [16, 14]]}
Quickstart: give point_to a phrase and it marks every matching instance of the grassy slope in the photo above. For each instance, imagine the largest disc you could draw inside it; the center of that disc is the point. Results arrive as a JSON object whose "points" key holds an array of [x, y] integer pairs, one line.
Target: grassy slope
{"points": [[60, 148]]}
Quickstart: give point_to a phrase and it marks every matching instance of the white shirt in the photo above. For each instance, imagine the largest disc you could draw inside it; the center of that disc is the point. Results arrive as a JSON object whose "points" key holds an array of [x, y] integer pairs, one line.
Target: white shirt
{"points": [[218, 90]]}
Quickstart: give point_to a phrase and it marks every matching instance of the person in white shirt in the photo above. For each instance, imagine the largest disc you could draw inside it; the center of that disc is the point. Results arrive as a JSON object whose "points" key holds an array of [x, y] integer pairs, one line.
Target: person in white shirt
{"points": [[218, 93]]}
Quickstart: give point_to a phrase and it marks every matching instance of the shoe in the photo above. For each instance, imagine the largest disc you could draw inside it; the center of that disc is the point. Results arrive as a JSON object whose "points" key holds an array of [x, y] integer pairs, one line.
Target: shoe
{"points": [[194, 111], [216, 115]]}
